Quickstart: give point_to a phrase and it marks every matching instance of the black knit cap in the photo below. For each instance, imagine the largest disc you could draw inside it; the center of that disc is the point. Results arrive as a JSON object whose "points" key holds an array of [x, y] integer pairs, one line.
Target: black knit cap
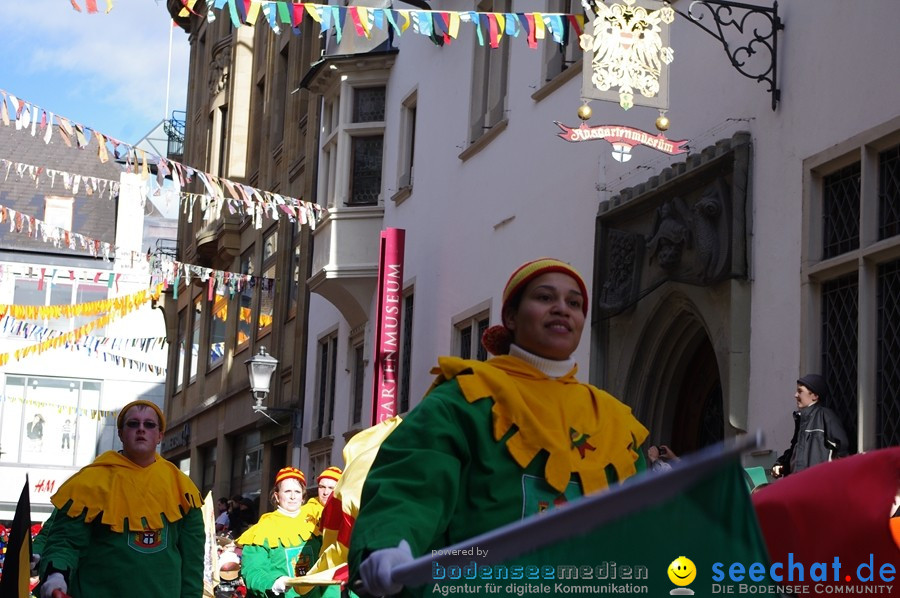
{"points": [[815, 383]]}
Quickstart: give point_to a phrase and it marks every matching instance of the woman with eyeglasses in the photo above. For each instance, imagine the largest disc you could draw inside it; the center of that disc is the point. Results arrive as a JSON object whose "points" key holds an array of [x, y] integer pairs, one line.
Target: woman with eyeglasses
{"points": [[495, 441], [128, 524], [284, 543]]}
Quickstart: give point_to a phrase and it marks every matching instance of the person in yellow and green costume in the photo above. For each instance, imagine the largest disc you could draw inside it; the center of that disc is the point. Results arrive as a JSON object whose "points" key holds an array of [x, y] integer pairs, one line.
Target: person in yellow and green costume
{"points": [[325, 483], [493, 442], [128, 524], [284, 543]]}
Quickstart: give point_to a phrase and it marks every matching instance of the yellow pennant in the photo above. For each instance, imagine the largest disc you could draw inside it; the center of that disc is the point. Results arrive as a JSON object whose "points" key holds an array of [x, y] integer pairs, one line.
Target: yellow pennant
{"points": [[539, 32], [253, 12]]}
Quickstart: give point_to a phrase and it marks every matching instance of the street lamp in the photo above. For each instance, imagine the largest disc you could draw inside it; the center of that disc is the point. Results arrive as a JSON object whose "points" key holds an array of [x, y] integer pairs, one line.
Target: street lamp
{"points": [[260, 368]]}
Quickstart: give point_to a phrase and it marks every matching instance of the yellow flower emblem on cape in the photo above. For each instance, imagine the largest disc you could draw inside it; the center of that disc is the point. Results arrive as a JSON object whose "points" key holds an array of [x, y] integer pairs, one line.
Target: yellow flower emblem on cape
{"points": [[557, 416]]}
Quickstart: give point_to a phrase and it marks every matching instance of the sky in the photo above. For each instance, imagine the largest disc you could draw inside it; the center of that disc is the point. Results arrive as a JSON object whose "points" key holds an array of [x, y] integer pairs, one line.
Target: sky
{"points": [[107, 72]]}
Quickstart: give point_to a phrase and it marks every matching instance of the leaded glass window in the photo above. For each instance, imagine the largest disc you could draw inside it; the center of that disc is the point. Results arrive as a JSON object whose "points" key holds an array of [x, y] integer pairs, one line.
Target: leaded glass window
{"points": [[841, 211], [840, 317], [368, 104], [887, 375], [365, 181], [406, 353], [889, 193]]}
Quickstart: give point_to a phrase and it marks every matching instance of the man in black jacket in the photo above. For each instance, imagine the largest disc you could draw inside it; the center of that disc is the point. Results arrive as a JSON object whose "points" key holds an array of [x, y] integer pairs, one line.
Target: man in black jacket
{"points": [[818, 434]]}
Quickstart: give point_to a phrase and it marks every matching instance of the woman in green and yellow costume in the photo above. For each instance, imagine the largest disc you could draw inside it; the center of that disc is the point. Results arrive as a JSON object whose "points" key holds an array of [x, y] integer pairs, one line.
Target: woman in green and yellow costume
{"points": [[496, 441], [284, 543]]}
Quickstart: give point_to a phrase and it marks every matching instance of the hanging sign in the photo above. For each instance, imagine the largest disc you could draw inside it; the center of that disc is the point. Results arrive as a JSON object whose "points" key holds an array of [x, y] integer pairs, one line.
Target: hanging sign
{"points": [[629, 53], [622, 139]]}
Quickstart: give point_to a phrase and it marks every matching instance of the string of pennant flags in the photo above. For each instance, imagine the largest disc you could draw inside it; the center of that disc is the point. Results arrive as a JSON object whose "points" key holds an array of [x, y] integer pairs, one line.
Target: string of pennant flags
{"points": [[93, 346], [50, 275], [210, 205], [66, 339], [164, 270], [36, 228], [70, 181], [97, 414], [170, 273], [77, 310], [243, 199], [490, 27]]}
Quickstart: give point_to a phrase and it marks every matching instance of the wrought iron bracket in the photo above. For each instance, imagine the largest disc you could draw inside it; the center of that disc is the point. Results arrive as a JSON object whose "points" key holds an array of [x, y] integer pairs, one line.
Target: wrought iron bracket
{"points": [[757, 57]]}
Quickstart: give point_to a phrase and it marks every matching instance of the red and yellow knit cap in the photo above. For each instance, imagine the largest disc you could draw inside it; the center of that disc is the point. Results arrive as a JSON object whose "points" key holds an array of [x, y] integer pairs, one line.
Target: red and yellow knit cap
{"points": [[332, 473], [120, 419], [497, 339], [287, 473]]}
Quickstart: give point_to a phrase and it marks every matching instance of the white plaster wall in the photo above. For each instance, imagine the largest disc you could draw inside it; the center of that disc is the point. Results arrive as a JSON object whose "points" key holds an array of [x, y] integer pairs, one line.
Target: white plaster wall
{"points": [[838, 78]]}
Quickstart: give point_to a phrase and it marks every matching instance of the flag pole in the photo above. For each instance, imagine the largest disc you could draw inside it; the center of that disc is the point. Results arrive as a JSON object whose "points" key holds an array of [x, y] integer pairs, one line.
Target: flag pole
{"points": [[524, 536]]}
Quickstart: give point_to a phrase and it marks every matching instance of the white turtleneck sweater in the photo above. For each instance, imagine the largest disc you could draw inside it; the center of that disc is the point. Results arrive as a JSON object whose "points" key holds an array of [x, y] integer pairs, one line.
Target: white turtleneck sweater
{"points": [[551, 367]]}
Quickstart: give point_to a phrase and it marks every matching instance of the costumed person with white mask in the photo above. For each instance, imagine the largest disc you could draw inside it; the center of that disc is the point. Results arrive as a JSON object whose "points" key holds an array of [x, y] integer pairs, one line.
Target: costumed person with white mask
{"points": [[284, 543], [493, 442]]}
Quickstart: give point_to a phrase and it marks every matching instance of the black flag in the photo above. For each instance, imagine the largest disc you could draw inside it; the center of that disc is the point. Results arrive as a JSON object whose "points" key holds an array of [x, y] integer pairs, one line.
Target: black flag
{"points": [[17, 566]]}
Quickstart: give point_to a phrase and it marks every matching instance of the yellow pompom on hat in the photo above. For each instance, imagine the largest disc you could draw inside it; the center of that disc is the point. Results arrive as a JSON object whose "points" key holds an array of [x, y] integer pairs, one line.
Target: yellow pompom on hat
{"points": [[332, 473], [286, 473], [497, 339], [120, 420]]}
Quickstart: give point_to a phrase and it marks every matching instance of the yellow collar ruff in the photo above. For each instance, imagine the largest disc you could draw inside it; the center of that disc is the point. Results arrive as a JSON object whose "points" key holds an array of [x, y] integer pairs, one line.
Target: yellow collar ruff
{"points": [[276, 528], [581, 428], [125, 495]]}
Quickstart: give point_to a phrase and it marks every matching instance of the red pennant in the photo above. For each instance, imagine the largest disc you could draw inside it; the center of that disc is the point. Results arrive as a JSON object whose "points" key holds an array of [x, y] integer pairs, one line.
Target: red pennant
{"points": [[354, 16], [574, 22], [297, 11], [532, 40], [493, 30]]}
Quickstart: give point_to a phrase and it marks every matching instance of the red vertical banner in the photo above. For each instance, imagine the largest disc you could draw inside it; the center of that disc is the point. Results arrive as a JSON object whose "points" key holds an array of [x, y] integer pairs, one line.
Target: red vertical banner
{"points": [[387, 325]]}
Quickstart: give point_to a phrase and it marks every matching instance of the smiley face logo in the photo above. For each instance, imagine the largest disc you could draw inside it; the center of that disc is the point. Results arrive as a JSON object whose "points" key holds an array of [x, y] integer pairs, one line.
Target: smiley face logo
{"points": [[682, 571]]}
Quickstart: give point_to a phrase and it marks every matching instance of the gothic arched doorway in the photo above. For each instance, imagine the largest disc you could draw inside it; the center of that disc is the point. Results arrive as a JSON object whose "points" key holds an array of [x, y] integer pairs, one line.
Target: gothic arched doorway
{"points": [[699, 418]]}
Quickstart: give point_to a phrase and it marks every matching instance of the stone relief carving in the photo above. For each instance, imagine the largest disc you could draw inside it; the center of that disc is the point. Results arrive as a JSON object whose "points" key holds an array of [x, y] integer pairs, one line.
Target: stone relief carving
{"points": [[218, 72], [624, 251], [671, 234], [685, 234], [708, 216], [690, 240]]}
